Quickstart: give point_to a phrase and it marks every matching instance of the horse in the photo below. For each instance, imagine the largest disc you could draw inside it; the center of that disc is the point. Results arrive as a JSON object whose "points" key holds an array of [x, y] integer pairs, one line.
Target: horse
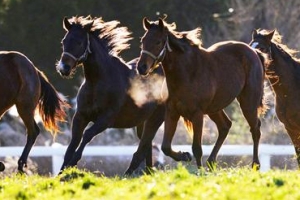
{"points": [[202, 81], [26, 87], [283, 72], [105, 96]]}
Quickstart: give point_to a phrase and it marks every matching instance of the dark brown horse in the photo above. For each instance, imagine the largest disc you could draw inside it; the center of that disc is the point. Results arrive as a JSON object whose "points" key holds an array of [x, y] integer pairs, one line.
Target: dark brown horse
{"points": [[105, 97], [283, 72], [23, 85], [202, 81]]}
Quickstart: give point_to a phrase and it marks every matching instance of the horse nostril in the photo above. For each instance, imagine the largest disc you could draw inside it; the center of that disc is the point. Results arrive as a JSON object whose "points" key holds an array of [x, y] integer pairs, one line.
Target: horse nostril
{"points": [[142, 69], [64, 69]]}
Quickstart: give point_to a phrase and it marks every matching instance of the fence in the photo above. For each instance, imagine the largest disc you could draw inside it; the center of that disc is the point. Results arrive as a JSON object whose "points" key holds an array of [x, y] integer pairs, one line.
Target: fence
{"points": [[57, 151]]}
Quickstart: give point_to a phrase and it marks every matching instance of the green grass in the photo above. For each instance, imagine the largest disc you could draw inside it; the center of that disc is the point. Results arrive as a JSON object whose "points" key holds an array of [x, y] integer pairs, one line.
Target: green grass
{"points": [[180, 183]]}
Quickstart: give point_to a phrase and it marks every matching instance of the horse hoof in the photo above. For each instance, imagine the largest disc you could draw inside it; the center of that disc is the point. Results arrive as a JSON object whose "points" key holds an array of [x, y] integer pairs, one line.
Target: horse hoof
{"points": [[255, 166], [128, 172], [186, 156], [2, 167]]}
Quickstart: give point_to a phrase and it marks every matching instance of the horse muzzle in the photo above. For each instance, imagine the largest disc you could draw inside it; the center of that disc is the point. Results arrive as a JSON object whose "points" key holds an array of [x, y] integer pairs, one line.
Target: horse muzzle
{"points": [[143, 69], [63, 69]]}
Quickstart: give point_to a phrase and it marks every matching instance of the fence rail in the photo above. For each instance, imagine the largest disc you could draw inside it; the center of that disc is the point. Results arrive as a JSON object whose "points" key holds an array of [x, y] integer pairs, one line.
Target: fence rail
{"points": [[57, 151]]}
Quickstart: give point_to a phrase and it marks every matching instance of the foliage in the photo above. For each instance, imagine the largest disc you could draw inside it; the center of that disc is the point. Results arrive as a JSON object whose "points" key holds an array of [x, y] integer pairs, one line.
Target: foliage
{"points": [[180, 183]]}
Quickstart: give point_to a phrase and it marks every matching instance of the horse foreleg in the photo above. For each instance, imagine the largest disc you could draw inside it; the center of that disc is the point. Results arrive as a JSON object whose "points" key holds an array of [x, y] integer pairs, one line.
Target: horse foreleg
{"points": [[223, 124], [78, 125], [295, 137], [99, 125], [197, 138], [170, 128], [144, 150]]}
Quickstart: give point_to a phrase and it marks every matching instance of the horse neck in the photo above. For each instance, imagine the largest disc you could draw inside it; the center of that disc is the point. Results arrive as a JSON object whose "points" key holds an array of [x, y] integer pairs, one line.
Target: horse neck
{"points": [[281, 70], [178, 66], [97, 62]]}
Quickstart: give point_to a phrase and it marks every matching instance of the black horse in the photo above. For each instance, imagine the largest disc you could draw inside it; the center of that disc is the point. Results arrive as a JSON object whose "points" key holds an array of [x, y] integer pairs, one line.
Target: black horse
{"points": [[108, 96]]}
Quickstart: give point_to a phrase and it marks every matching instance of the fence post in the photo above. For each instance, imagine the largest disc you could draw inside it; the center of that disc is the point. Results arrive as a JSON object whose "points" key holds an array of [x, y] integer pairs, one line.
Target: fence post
{"points": [[265, 162], [57, 159]]}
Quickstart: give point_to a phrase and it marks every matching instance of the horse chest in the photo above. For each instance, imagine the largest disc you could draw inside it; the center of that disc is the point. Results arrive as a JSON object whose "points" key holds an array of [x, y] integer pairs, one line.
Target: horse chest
{"points": [[288, 112], [183, 106], [91, 100]]}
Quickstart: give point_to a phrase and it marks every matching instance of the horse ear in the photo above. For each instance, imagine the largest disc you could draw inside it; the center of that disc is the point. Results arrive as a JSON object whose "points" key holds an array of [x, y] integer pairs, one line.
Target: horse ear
{"points": [[66, 24], [146, 23], [254, 33], [161, 23], [270, 34], [88, 26]]}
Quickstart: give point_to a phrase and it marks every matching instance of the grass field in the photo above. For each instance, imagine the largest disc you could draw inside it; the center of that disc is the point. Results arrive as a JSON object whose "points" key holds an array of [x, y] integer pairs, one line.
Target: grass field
{"points": [[180, 183]]}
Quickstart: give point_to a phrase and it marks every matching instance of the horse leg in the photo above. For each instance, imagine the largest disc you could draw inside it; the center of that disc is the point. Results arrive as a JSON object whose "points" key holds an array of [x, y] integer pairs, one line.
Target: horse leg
{"points": [[99, 125], [27, 115], [140, 130], [295, 137], [197, 138], [171, 120], [223, 124], [78, 125], [251, 115], [145, 146]]}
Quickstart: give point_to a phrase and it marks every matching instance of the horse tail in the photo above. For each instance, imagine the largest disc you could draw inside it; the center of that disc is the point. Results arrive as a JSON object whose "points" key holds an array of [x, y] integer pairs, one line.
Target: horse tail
{"points": [[189, 127], [265, 61], [51, 106]]}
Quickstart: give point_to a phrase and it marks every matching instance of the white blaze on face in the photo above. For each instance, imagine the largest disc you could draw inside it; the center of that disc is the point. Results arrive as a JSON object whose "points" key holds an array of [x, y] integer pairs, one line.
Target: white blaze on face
{"points": [[254, 45], [59, 66]]}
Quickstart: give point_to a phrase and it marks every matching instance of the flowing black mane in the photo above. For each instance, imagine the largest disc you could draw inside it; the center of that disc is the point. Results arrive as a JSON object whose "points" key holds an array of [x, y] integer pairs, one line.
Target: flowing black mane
{"points": [[115, 38]]}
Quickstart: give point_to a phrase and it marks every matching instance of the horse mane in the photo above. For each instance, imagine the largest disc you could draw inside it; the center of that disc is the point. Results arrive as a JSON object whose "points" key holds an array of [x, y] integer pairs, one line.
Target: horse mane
{"points": [[115, 38], [277, 40], [285, 50], [191, 37]]}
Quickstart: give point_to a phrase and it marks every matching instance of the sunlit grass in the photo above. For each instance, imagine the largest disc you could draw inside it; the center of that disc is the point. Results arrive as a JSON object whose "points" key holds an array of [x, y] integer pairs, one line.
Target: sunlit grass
{"points": [[180, 183]]}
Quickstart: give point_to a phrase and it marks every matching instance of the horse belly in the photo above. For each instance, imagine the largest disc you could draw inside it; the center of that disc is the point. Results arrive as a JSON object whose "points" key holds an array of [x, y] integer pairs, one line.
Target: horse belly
{"points": [[9, 87], [224, 93], [131, 115]]}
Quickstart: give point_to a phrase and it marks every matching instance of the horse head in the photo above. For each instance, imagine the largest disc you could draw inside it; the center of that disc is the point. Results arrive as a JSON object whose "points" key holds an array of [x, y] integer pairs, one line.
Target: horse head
{"points": [[155, 45], [75, 45], [261, 40]]}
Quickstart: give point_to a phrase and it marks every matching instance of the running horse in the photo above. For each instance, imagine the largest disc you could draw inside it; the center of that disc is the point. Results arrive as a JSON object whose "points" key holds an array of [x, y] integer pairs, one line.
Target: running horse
{"points": [[104, 97], [283, 72], [26, 87], [203, 81]]}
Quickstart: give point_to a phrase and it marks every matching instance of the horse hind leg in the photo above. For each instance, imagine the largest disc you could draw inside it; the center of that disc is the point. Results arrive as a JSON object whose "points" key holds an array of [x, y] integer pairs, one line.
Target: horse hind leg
{"points": [[223, 124], [27, 115], [250, 113]]}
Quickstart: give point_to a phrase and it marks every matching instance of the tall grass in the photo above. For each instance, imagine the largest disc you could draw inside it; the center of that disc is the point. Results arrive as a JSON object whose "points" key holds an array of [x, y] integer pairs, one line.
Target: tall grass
{"points": [[180, 183]]}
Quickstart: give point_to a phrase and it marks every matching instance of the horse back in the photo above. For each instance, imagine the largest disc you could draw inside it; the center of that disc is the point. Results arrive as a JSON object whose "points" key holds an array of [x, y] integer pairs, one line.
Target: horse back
{"points": [[18, 76], [238, 58], [233, 69]]}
